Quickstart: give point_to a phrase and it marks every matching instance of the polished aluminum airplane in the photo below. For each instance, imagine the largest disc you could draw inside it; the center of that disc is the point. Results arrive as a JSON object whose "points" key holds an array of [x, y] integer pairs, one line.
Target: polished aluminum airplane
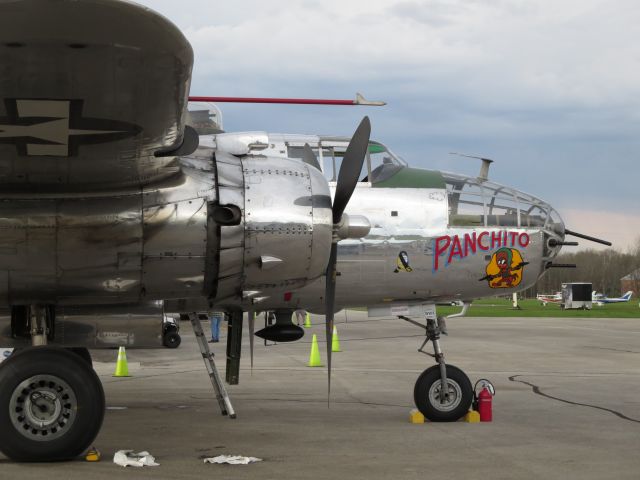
{"points": [[114, 210]]}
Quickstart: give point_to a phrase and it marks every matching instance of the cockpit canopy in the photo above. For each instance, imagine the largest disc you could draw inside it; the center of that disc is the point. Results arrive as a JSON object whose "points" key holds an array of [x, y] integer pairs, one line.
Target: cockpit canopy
{"points": [[475, 203], [380, 163], [471, 202]]}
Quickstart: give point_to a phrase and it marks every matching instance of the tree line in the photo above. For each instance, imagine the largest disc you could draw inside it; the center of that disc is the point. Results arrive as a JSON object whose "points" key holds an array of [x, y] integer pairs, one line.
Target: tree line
{"points": [[602, 268]]}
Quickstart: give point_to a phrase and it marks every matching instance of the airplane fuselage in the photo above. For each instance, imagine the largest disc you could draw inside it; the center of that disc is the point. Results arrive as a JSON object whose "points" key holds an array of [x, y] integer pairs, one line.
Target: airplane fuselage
{"points": [[413, 254], [428, 242]]}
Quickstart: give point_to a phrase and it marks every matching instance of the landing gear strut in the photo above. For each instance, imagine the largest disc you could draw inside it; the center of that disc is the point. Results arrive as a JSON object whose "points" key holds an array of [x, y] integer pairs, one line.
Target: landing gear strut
{"points": [[443, 393]]}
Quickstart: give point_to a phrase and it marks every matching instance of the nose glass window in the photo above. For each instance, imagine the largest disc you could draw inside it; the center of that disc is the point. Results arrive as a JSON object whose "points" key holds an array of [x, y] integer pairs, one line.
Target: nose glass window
{"points": [[473, 203], [555, 223], [502, 208], [534, 216], [466, 204]]}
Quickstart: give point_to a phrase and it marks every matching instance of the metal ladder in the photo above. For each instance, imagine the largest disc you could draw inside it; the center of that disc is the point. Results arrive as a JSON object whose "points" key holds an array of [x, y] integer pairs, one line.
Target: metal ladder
{"points": [[221, 393]]}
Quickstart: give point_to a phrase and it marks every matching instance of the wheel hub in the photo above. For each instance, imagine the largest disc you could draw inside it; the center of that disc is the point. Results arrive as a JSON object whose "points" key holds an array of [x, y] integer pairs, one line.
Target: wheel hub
{"points": [[43, 407], [452, 397]]}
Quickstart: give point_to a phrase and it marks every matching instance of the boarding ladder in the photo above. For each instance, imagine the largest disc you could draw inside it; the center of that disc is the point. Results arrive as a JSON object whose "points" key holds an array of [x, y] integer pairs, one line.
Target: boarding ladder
{"points": [[221, 393]]}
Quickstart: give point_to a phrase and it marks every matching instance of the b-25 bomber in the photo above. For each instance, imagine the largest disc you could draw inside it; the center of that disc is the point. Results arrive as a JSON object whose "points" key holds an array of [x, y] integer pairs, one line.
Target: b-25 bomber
{"points": [[114, 210]]}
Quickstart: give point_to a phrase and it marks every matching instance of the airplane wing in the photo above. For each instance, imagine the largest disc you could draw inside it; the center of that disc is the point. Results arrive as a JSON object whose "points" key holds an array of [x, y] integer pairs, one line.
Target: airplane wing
{"points": [[84, 107]]}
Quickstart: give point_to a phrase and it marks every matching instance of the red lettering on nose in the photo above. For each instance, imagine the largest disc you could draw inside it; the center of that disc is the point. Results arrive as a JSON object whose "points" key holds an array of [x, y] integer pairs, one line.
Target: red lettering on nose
{"points": [[440, 249], [514, 236], [523, 240], [480, 244], [456, 249], [496, 238], [470, 243]]}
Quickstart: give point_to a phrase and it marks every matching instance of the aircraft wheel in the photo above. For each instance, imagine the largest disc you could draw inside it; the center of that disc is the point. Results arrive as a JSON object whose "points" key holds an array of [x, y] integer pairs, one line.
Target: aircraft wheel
{"points": [[426, 394], [83, 353], [172, 339], [80, 351], [51, 405]]}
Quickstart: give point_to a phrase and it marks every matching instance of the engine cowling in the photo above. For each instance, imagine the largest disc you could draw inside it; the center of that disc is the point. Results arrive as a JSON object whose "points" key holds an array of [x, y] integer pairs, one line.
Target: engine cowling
{"points": [[283, 234]]}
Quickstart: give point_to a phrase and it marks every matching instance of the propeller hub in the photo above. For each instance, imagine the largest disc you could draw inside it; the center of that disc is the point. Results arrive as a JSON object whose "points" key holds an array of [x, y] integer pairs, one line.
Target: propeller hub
{"points": [[352, 226]]}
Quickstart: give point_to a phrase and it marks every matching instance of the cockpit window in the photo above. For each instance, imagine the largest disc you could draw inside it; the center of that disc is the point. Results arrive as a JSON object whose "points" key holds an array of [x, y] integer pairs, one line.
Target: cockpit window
{"points": [[466, 203], [534, 216], [380, 163], [475, 203], [502, 208], [555, 223]]}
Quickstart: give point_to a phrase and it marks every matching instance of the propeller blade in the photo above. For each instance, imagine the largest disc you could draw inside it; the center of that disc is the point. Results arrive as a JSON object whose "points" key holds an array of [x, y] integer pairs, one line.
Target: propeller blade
{"points": [[351, 167], [330, 296], [252, 327], [347, 180], [309, 157]]}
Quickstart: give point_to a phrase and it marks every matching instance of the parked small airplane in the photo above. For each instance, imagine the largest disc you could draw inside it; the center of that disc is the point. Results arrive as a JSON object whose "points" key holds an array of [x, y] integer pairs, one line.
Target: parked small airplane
{"points": [[113, 210], [601, 299], [550, 298]]}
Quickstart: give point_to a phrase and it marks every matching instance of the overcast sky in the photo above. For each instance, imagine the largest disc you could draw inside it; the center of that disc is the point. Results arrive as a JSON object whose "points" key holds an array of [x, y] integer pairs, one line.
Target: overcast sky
{"points": [[549, 90]]}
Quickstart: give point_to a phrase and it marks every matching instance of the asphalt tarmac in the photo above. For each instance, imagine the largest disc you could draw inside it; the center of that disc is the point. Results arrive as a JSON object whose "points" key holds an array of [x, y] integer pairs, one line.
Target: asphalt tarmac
{"points": [[567, 406]]}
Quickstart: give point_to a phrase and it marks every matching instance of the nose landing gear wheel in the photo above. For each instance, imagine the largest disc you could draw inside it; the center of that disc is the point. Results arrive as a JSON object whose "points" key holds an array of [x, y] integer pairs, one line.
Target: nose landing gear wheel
{"points": [[51, 405], [458, 397]]}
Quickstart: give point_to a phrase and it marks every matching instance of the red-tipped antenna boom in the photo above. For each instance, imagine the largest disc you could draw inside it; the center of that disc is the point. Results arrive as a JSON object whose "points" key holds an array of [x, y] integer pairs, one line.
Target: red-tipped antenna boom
{"points": [[360, 100]]}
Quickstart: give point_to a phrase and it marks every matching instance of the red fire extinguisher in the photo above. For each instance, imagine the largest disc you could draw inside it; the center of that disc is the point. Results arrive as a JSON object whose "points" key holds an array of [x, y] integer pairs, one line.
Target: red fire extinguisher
{"points": [[484, 400]]}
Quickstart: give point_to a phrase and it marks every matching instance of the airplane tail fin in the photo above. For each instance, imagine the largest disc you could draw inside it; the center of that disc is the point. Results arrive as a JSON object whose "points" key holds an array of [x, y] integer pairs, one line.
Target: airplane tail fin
{"points": [[627, 296]]}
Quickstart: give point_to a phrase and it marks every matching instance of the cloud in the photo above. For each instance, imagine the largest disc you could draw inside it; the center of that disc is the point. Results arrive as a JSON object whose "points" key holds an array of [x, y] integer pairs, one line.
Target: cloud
{"points": [[493, 55], [550, 90], [524, 51]]}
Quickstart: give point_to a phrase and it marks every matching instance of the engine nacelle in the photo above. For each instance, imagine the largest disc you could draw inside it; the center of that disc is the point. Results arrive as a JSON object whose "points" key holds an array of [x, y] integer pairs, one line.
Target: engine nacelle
{"points": [[228, 230], [283, 235]]}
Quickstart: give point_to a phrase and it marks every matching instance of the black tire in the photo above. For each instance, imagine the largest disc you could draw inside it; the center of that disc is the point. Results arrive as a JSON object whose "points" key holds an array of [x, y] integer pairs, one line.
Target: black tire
{"points": [[172, 340], [83, 353], [80, 351], [427, 392], [170, 327], [64, 386]]}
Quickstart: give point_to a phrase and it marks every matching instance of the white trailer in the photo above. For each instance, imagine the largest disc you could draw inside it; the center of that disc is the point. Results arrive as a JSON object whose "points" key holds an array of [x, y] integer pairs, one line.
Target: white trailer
{"points": [[576, 296]]}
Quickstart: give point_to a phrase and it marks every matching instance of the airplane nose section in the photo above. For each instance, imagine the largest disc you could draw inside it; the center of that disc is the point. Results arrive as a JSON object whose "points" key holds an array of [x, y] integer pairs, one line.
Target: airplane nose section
{"points": [[555, 224], [554, 232]]}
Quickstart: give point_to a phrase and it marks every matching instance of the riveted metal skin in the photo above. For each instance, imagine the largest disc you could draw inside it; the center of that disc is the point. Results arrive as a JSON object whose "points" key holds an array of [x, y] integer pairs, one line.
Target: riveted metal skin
{"points": [[161, 241], [420, 220], [286, 211], [287, 216], [427, 242], [100, 248]]}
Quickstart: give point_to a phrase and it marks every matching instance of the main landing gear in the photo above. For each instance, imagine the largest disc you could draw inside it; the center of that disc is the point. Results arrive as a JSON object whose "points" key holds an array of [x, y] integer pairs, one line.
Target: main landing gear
{"points": [[443, 393], [51, 400], [51, 405]]}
